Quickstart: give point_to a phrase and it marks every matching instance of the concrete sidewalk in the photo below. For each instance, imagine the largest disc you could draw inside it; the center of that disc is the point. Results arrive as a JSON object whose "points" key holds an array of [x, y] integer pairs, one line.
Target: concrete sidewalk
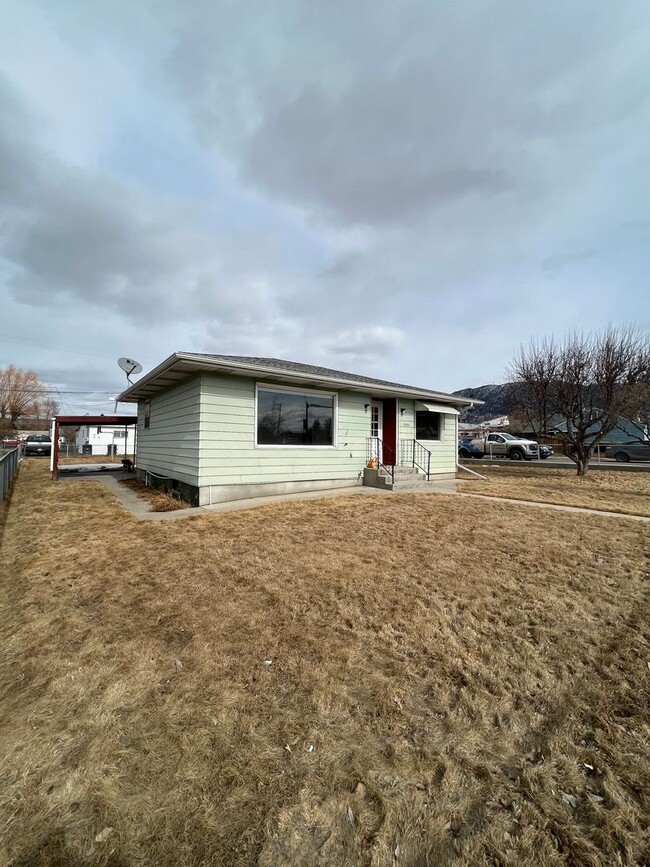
{"points": [[578, 510], [139, 508]]}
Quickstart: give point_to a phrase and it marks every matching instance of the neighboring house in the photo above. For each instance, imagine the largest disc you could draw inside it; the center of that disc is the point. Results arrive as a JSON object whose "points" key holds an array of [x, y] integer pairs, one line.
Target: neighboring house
{"points": [[624, 431], [105, 439], [501, 421], [222, 427]]}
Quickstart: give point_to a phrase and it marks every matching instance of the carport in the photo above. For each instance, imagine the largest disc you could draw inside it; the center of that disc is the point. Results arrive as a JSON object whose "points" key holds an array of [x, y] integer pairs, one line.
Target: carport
{"points": [[77, 420]]}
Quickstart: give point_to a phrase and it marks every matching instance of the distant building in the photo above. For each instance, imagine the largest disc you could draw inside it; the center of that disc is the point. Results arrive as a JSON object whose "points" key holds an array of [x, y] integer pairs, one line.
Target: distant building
{"points": [[105, 439], [624, 431], [501, 421]]}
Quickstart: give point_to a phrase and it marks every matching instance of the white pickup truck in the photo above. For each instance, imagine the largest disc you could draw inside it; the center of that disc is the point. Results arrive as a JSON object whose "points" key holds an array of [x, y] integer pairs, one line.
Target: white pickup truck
{"points": [[504, 445]]}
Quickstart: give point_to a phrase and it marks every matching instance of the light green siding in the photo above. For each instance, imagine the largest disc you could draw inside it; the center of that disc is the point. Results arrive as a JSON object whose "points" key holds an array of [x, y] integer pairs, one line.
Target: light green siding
{"points": [[228, 455], [170, 446], [202, 433], [443, 452]]}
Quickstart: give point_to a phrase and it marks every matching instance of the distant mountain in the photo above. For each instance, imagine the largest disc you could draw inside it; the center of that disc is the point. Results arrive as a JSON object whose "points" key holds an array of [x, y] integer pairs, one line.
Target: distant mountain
{"points": [[498, 401]]}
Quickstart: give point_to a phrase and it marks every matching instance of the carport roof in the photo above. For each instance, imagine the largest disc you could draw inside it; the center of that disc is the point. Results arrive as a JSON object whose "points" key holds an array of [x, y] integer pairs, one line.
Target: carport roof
{"points": [[96, 419]]}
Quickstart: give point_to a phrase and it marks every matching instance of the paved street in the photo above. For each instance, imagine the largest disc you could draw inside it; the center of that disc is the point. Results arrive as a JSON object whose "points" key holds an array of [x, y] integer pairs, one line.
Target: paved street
{"points": [[562, 462]]}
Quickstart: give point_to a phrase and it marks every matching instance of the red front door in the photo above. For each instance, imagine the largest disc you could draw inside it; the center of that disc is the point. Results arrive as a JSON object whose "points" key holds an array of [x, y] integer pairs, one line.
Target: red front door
{"points": [[390, 431]]}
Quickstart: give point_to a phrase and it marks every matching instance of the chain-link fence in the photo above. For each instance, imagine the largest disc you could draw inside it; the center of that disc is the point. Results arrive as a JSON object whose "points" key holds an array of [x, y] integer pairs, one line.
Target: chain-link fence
{"points": [[8, 467]]}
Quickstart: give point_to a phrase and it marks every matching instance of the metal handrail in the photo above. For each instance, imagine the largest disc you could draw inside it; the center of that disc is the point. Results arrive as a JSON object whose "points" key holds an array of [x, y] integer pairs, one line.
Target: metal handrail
{"points": [[8, 468], [418, 455], [377, 449]]}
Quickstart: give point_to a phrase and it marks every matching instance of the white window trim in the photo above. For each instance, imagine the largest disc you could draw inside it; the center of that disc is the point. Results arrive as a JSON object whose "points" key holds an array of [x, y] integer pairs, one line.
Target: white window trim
{"points": [[270, 386]]}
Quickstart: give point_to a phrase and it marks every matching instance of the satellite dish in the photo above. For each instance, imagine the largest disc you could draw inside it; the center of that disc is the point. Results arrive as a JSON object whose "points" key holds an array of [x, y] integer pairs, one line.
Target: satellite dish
{"points": [[129, 366]]}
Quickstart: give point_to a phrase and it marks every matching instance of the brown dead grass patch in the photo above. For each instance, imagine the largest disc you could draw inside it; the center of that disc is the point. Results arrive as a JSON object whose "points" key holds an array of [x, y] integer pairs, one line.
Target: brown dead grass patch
{"points": [[327, 682], [606, 490], [158, 500]]}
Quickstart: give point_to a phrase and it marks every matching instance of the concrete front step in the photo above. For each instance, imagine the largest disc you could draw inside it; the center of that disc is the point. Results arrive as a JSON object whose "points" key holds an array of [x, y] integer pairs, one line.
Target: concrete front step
{"points": [[442, 486], [406, 479], [400, 471]]}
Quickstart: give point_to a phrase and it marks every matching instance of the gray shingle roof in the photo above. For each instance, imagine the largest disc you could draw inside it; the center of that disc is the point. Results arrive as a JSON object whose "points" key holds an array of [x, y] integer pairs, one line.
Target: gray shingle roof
{"points": [[182, 364], [280, 365]]}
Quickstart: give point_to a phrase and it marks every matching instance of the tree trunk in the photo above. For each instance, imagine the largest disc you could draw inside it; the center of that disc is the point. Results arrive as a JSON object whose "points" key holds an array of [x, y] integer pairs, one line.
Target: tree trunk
{"points": [[583, 466]]}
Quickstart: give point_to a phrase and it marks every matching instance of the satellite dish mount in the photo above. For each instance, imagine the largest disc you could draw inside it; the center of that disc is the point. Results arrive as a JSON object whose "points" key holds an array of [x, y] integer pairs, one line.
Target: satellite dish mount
{"points": [[130, 367]]}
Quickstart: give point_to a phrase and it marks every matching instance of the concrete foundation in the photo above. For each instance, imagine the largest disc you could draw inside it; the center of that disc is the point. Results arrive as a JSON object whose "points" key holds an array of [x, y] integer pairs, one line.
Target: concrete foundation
{"points": [[211, 494]]}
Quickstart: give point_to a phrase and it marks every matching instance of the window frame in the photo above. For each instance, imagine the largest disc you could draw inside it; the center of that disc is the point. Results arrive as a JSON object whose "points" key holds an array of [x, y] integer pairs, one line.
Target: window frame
{"points": [[146, 412], [441, 422], [269, 386]]}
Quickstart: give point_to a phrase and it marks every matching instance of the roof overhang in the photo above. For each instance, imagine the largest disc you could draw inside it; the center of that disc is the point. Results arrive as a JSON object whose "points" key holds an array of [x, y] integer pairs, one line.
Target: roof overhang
{"points": [[436, 407], [181, 365]]}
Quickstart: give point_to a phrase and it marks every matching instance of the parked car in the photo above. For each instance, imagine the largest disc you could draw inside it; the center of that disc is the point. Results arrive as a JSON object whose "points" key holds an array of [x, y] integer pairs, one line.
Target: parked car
{"points": [[466, 449], [506, 445], [38, 444], [545, 451], [9, 443], [631, 451]]}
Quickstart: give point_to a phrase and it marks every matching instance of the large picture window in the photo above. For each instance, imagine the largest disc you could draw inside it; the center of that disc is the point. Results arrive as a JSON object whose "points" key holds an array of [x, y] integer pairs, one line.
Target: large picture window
{"points": [[294, 418], [427, 425]]}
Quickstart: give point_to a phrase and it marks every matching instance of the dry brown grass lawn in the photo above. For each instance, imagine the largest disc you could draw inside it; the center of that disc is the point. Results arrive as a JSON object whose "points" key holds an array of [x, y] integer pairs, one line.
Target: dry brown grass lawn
{"points": [[607, 490], [159, 501], [401, 681]]}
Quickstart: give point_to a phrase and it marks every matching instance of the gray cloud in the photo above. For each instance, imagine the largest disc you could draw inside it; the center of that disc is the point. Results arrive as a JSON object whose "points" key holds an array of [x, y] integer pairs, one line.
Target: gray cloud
{"points": [[68, 233], [315, 180], [369, 343], [384, 115]]}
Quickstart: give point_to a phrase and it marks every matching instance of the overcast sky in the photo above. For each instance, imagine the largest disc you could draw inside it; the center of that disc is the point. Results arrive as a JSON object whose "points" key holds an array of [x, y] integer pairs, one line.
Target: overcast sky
{"points": [[402, 189]]}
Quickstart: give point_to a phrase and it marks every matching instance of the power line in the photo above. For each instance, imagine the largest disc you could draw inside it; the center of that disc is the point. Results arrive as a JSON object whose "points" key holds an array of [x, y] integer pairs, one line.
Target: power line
{"points": [[49, 345], [52, 390]]}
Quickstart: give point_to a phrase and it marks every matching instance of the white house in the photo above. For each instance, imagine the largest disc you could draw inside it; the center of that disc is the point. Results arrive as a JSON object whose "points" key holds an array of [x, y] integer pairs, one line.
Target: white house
{"points": [[501, 421], [222, 427], [106, 439]]}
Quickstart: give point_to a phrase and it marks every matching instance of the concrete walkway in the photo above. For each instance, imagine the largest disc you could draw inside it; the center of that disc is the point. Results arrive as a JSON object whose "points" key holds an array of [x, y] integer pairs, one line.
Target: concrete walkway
{"points": [[139, 507], [578, 510]]}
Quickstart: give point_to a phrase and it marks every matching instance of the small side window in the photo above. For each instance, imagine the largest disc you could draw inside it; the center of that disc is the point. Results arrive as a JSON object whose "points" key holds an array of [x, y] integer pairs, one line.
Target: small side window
{"points": [[147, 413], [427, 425]]}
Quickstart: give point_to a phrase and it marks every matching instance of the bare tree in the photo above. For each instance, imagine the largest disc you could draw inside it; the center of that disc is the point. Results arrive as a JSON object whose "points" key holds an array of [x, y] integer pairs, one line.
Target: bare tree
{"points": [[47, 408], [534, 371], [588, 381], [21, 393]]}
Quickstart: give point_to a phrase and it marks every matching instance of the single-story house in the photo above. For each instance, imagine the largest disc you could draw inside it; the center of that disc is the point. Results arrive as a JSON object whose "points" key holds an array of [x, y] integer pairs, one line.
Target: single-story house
{"points": [[223, 427], [105, 439]]}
